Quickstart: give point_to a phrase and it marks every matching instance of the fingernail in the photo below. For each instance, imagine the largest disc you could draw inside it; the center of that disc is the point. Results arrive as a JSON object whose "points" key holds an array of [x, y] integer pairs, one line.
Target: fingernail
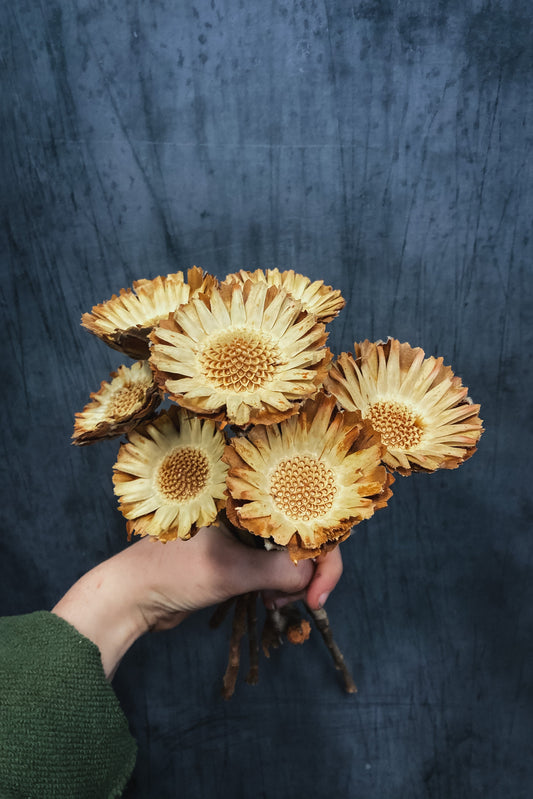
{"points": [[322, 599]]}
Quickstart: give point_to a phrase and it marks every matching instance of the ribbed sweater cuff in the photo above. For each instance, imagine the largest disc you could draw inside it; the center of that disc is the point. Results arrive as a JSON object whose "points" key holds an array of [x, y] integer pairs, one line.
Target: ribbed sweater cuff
{"points": [[62, 730]]}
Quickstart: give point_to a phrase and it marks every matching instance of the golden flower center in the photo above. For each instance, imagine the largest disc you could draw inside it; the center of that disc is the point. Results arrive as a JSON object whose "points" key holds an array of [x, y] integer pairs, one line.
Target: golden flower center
{"points": [[303, 487], [126, 400], [183, 474], [398, 425], [240, 360]]}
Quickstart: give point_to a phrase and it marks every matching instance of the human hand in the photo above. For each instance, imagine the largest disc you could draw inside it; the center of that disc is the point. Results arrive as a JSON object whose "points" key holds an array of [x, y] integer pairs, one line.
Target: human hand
{"points": [[151, 585], [223, 568], [183, 576]]}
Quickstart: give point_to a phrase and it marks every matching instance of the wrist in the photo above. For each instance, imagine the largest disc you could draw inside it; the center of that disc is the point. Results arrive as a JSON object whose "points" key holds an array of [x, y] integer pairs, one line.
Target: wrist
{"points": [[105, 606]]}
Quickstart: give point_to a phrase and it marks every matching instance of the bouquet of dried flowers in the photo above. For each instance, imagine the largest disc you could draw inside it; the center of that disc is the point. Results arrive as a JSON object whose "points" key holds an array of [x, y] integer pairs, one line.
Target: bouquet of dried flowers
{"points": [[265, 432]]}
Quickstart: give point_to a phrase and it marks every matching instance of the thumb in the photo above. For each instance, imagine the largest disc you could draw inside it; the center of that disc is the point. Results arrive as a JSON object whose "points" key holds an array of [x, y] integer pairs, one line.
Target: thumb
{"points": [[327, 575]]}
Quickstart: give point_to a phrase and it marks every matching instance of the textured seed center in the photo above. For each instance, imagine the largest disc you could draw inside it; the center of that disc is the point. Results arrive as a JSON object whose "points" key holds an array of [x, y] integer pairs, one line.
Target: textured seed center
{"points": [[183, 474], [398, 425], [240, 360], [303, 487], [126, 400]]}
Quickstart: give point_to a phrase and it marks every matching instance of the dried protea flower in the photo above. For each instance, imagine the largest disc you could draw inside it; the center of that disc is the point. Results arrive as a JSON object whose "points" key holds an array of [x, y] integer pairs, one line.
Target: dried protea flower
{"points": [[421, 411], [124, 322], [306, 482], [118, 406], [243, 354], [316, 298], [170, 476]]}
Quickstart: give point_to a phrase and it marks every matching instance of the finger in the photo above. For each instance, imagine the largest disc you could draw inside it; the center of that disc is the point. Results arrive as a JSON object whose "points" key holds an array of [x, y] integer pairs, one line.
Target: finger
{"points": [[327, 574], [275, 572], [277, 599]]}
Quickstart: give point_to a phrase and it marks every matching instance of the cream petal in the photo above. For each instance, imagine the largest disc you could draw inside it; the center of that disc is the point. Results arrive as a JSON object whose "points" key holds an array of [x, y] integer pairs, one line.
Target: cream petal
{"points": [[237, 309], [219, 311], [255, 509], [187, 318], [207, 319]]}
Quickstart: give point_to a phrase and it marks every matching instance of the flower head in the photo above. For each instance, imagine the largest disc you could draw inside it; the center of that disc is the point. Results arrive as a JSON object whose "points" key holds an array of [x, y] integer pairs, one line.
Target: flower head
{"points": [[420, 409], [125, 321], [243, 354], [118, 406], [316, 298], [307, 481], [170, 476]]}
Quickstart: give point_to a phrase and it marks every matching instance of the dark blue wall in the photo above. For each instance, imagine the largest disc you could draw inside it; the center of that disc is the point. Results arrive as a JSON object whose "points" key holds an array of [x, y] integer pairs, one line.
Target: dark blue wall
{"points": [[386, 147]]}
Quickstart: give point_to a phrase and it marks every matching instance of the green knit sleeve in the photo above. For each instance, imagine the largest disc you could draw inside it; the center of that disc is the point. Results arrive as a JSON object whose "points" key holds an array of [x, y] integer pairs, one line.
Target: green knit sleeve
{"points": [[62, 730]]}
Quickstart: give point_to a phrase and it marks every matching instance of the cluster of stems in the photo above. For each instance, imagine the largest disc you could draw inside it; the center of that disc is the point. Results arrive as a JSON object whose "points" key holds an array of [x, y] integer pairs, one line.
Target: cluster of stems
{"points": [[286, 623]]}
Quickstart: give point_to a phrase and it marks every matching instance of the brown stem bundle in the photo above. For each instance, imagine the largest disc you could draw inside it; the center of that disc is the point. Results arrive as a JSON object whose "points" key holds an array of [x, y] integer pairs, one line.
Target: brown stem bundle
{"points": [[286, 622]]}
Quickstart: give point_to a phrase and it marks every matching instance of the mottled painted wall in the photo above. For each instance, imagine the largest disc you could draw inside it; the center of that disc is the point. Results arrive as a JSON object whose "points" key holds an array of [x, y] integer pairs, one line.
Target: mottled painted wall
{"points": [[386, 147]]}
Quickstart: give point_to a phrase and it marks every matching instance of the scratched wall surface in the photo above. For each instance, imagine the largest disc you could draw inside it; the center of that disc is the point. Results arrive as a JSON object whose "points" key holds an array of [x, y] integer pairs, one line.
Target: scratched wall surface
{"points": [[384, 146]]}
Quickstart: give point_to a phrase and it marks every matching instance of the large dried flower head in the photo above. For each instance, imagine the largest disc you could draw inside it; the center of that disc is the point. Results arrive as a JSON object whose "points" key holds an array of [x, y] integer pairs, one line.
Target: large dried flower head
{"points": [[243, 354], [125, 321], [170, 476], [118, 406], [304, 483], [316, 298], [420, 409]]}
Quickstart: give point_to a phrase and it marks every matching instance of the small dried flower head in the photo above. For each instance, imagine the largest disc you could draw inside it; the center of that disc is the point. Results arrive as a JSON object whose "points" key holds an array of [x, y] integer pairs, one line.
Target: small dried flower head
{"points": [[322, 301], [118, 406], [420, 409], [245, 354], [170, 476], [125, 321], [307, 481]]}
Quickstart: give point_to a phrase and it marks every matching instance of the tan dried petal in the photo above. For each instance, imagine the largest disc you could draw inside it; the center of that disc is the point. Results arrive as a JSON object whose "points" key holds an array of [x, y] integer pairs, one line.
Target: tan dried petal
{"points": [[418, 407], [118, 406]]}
